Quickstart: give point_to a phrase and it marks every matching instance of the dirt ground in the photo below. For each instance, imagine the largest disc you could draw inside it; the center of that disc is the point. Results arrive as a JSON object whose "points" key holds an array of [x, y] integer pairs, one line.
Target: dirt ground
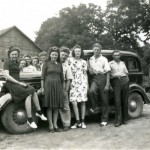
{"points": [[135, 135]]}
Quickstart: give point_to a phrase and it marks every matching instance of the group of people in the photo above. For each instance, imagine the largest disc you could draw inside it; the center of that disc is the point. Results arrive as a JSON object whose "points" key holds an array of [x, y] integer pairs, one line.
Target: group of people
{"points": [[64, 79]]}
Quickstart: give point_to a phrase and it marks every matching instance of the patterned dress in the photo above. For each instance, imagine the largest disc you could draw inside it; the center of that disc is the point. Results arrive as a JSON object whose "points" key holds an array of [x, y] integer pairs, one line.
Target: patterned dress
{"points": [[52, 74], [79, 84]]}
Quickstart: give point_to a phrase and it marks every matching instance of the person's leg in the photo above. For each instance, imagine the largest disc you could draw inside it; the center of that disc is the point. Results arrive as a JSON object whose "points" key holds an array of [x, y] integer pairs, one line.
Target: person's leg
{"points": [[124, 97], [55, 118], [76, 112], [65, 114], [38, 108], [83, 108], [49, 117], [117, 99], [104, 99], [28, 106], [93, 94]]}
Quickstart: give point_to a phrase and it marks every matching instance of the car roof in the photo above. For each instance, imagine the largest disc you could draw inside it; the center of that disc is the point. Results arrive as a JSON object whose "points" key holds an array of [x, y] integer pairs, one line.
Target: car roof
{"points": [[109, 52]]}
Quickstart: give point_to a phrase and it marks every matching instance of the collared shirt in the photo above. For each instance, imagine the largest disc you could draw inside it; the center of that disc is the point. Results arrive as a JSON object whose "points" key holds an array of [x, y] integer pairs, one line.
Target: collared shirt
{"points": [[100, 64], [118, 69], [29, 68], [67, 71]]}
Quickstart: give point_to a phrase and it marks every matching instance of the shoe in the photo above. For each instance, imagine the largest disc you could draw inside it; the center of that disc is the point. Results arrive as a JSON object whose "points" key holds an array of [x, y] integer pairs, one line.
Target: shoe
{"points": [[83, 126], [41, 116], [57, 129], [32, 124], [66, 128], [51, 130], [76, 126], [103, 124], [117, 124], [124, 122]]}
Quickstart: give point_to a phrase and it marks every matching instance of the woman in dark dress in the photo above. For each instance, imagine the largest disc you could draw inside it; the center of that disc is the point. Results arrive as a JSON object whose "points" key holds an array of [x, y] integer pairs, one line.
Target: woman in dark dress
{"points": [[20, 91], [52, 83]]}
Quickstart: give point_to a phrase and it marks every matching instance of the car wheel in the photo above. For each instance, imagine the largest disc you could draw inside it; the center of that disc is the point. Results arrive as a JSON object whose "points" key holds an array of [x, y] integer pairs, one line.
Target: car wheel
{"points": [[14, 118], [135, 105]]}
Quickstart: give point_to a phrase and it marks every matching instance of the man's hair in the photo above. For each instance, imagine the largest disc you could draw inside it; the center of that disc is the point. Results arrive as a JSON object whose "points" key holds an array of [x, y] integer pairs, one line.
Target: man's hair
{"points": [[115, 51], [96, 45], [65, 49]]}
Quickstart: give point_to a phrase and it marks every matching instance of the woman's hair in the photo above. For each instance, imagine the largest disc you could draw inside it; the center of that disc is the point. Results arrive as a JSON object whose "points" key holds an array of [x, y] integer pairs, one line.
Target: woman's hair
{"points": [[43, 54], [22, 59], [27, 56], [65, 49], [75, 47], [36, 57], [53, 49], [11, 49]]}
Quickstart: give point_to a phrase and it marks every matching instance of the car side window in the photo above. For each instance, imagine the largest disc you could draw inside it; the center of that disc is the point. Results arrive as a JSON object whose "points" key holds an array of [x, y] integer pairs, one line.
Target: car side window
{"points": [[132, 65]]}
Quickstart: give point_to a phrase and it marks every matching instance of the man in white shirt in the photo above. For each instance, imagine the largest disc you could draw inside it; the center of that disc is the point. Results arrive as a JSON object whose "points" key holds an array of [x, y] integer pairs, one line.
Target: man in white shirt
{"points": [[65, 113], [120, 85], [99, 69]]}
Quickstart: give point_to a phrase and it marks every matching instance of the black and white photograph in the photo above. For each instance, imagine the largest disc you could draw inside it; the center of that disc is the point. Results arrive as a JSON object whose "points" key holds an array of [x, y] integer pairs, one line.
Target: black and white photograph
{"points": [[75, 74]]}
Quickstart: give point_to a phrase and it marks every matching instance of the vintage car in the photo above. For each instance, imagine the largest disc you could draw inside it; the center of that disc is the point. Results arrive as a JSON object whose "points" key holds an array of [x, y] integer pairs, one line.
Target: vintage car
{"points": [[14, 117]]}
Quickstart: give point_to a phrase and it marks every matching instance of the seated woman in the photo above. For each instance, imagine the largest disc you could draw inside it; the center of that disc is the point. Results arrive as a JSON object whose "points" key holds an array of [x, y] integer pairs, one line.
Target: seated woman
{"points": [[20, 91], [30, 67]]}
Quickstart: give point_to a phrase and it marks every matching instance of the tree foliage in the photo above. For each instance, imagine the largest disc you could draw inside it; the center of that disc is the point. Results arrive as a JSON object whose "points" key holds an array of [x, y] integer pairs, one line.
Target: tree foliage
{"points": [[119, 27], [77, 25]]}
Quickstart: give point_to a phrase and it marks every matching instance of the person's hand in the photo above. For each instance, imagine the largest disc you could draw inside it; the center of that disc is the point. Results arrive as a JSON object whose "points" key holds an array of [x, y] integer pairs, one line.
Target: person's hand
{"points": [[106, 89], [22, 84], [42, 90], [91, 71], [65, 92]]}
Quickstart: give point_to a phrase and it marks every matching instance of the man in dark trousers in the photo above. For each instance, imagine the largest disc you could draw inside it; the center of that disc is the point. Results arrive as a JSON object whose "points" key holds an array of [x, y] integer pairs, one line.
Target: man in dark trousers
{"points": [[120, 84], [99, 69]]}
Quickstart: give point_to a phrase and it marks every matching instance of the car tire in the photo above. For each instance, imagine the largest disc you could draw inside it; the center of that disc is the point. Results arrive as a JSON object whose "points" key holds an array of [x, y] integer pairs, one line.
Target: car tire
{"points": [[14, 118], [135, 105]]}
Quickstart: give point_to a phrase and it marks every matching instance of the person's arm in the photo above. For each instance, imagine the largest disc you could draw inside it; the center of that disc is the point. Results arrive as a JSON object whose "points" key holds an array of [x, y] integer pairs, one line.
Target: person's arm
{"points": [[107, 81], [43, 75], [61, 75]]}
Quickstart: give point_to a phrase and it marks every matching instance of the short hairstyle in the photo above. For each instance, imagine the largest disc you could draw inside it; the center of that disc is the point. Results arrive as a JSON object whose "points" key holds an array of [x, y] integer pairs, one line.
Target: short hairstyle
{"points": [[22, 59], [115, 51], [36, 57], [11, 49], [75, 47], [54, 49], [27, 56], [65, 49], [96, 45], [43, 54]]}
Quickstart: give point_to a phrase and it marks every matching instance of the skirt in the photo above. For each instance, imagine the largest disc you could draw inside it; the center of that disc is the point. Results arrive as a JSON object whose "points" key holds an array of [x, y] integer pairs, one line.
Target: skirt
{"points": [[53, 92], [18, 92]]}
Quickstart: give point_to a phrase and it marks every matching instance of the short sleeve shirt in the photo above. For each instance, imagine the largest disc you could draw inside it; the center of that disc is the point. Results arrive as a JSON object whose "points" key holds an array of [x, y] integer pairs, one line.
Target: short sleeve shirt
{"points": [[100, 64], [67, 71], [118, 69]]}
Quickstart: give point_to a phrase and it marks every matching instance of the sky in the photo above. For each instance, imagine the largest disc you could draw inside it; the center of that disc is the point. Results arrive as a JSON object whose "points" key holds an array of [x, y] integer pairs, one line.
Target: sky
{"points": [[28, 15]]}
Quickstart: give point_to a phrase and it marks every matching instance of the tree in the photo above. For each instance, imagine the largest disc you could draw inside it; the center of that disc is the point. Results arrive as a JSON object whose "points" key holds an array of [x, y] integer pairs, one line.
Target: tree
{"points": [[77, 25], [125, 20]]}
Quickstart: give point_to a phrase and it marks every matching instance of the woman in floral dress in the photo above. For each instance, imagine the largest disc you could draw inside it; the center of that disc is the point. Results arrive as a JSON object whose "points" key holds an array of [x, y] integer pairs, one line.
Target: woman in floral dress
{"points": [[79, 85]]}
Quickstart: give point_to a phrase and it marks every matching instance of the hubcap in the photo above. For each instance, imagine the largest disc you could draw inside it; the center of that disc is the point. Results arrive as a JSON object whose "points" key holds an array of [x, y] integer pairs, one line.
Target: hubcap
{"points": [[132, 105], [19, 116]]}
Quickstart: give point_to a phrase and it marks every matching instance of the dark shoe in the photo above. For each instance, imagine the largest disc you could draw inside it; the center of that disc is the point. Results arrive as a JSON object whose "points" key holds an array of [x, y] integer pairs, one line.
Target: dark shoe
{"points": [[66, 128], [51, 130], [57, 129], [124, 122], [117, 124]]}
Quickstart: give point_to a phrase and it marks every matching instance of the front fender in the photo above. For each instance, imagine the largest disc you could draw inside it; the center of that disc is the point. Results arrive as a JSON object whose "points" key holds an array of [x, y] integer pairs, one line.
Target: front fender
{"points": [[133, 87]]}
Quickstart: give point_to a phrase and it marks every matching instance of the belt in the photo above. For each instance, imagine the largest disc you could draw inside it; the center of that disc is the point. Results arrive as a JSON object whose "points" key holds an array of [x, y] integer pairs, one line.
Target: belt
{"points": [[119, 77]]}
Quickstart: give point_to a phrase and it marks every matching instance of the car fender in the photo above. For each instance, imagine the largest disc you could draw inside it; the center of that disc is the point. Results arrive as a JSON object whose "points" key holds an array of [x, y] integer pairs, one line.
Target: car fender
{"points": [[5, 100], [133, 87]]}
